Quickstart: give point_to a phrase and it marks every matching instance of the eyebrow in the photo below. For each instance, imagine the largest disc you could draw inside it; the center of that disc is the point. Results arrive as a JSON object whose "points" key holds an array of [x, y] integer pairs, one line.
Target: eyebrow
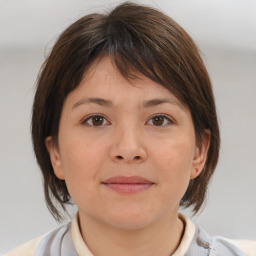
{"points": [[155, 102], [145, 104], [99, 101]]}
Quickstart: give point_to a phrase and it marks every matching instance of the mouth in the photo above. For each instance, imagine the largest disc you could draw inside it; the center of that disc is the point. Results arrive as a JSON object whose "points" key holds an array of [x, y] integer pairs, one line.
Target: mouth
{"points": [[132, 184]]}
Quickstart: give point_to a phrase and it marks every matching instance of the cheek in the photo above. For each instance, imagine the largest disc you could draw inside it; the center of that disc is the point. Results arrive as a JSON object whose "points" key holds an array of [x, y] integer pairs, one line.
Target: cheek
{"points": [[176, 156], [82, 161], [82, 151], [174, 164], [81, 165]]}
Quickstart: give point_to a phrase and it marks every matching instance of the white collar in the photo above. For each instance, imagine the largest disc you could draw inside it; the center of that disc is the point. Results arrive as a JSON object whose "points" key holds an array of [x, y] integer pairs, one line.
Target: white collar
{"points": [[83, 250]]}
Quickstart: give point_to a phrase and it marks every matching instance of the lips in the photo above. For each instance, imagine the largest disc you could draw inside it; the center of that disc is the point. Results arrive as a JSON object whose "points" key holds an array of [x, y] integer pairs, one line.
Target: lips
{"points": [[132, 184]]}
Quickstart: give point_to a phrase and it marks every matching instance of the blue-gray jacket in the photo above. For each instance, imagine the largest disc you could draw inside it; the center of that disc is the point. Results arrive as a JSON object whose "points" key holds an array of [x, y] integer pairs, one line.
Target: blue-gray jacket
{"points": [[59, 242]]}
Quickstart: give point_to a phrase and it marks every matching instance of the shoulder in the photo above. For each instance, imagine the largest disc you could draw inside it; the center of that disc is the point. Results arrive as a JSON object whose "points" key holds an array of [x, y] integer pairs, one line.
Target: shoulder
{"points": [[246, 245], [26, 249], [222, 244], [37, 245], [204, 244], [196, 241]]}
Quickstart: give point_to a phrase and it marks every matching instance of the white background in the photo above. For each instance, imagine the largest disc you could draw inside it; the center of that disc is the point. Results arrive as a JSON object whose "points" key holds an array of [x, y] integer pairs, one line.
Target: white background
{"points": [[225, 31]]}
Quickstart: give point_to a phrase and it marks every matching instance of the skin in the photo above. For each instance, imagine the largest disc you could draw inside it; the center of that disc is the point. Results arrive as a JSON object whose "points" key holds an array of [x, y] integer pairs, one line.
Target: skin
{"points": [[130, 139]]}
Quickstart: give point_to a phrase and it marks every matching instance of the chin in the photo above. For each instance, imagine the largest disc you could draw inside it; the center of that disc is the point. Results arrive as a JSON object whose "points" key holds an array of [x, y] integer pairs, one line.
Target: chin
{"points": [[131, 220]]}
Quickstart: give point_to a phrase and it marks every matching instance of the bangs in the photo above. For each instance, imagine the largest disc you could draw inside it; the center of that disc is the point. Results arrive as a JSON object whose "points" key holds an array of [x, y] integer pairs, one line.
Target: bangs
{"points": [[133, 51]]}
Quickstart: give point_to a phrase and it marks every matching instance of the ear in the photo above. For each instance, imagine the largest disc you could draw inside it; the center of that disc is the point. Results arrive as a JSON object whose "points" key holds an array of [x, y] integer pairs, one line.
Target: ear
{"points": [[55, 157], [200, 155]]}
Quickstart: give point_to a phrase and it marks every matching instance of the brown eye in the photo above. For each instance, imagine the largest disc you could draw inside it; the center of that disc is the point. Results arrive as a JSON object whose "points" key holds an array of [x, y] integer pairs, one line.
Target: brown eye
{"points": [[159, 120], [96, 120]]}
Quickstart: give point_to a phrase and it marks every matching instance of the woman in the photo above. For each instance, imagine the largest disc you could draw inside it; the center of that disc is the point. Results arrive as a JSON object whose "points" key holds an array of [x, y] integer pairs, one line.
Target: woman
{"points": [[124, 125]]}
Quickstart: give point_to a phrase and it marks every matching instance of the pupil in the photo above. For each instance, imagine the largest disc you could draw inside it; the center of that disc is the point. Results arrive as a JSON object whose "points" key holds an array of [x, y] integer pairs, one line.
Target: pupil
{"points": [[97, 120], [158, 120]]}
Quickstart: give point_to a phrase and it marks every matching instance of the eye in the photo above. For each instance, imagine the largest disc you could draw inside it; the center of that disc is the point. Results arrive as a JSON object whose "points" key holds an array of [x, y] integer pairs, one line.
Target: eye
{"points": [[96, 120], [160, 120]]}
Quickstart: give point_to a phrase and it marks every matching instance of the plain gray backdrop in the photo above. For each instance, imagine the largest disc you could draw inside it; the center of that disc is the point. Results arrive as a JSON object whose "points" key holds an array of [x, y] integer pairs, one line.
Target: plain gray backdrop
{"points": [[225, 31]]}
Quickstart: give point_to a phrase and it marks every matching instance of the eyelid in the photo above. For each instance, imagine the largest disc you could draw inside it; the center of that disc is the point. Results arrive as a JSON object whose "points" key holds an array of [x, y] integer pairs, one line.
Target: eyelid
{"points": [[170, 119], [85, 119]]}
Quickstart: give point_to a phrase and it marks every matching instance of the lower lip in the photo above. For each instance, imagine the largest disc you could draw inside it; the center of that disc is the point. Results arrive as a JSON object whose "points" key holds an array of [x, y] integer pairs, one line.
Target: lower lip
{"points": [[128, 188]]}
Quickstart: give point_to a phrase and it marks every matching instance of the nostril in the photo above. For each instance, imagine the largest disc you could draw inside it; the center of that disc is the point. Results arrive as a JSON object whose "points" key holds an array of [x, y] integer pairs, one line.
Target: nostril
{"points": [[135, 158]]}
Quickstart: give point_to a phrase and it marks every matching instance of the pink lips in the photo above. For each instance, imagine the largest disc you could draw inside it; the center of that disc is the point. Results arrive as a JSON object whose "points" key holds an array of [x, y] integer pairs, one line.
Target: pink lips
{"points": [[132, 184]]}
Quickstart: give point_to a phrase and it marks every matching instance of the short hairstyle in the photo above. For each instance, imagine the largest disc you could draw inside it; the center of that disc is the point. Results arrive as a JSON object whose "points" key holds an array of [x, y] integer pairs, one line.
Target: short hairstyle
{"points": [[139, 39]]}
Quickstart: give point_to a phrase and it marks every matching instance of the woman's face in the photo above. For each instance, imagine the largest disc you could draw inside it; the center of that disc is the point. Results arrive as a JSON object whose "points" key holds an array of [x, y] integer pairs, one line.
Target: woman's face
{"points": [[126, 152]]}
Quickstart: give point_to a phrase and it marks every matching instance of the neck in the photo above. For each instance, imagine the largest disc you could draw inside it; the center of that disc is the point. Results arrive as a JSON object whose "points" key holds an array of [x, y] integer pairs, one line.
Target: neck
{"points": [[161, 238]]}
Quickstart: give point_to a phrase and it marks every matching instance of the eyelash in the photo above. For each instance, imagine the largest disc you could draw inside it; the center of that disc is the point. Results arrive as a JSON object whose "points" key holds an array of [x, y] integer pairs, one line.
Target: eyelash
{"points": [[85, 121], [166, 118]]}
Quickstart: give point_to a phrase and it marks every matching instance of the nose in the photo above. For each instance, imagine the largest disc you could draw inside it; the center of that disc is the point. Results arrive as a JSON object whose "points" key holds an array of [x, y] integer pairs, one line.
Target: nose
{"points": [[127, 146]]}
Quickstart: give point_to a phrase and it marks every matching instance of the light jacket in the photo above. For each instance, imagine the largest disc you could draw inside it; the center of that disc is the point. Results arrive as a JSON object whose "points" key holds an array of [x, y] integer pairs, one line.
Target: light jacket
{"points": [[67, 241]]}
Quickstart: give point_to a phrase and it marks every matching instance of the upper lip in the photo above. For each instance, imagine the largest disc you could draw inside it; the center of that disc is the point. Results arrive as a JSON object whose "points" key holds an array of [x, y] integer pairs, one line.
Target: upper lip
{"points": [[127, 180]]}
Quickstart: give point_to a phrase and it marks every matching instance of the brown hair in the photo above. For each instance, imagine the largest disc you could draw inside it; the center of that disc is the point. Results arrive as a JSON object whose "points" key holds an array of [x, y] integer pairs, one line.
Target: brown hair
{"points": [[137, 38]]}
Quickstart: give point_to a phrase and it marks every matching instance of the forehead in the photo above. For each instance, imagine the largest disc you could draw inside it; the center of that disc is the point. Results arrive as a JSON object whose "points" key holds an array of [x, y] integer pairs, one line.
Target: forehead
{"points": [[104, 80]]}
